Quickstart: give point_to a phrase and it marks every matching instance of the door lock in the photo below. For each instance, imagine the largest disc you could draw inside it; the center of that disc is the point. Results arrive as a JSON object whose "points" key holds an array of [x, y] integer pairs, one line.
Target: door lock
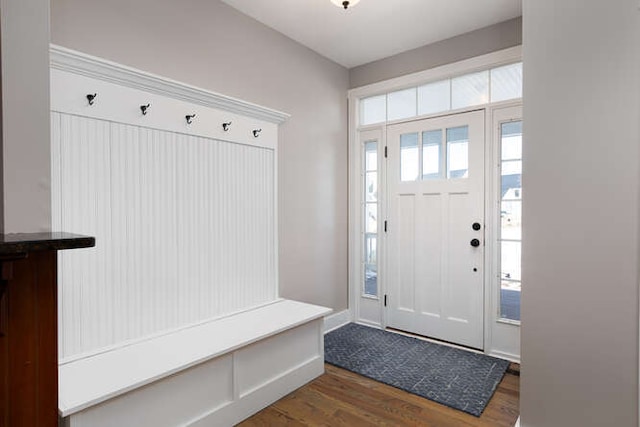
{"points": [[476, 226]]}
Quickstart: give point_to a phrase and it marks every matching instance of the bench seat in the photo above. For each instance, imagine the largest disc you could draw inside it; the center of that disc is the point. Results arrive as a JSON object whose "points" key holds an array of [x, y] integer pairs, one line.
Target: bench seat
{"points": [[214, 373]]}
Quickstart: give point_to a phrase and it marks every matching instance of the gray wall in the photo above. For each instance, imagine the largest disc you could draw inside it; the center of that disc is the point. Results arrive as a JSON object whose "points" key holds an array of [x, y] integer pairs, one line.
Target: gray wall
{"points": [[26, 171], [209, 44], [580, 242], [485, 40]]}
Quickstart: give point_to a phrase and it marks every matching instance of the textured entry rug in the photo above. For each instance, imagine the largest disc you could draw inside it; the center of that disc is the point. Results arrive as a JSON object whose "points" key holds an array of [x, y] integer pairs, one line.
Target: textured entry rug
{"points": [[456, 378]]}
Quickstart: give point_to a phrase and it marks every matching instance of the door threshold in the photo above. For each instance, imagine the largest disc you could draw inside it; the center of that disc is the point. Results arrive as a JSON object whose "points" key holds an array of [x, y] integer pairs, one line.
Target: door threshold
{"points": [[434, 340]]}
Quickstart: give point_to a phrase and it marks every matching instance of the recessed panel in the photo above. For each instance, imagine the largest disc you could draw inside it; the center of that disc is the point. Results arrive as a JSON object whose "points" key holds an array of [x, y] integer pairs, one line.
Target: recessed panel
{"points": [[406, 253], [430, 278]]}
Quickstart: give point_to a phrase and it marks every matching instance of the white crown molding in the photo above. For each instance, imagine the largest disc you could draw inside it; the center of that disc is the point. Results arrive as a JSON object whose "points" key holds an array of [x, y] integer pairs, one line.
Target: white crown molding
{"points": [[69, 60]]}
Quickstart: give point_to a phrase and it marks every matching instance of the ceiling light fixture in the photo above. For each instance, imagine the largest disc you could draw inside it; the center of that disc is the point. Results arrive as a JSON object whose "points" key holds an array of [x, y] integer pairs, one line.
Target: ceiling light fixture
{"points": [[345, 4]]}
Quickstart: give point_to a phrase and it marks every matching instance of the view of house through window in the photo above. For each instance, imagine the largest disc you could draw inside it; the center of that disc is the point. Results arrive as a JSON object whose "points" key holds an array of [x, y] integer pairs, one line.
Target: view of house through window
{"points": [[510, 237], [371, 218]]}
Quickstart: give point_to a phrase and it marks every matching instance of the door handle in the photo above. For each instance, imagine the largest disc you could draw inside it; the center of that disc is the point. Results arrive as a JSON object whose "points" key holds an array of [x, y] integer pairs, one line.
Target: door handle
{"points": [[475, 243]]}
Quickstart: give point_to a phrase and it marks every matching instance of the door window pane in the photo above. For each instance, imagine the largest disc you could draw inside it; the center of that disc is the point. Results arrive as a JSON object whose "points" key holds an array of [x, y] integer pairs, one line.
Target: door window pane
{"points": [[373, 110], [506, 82], [402, 104], [458, 152], [409, 157], [511, 141], [431, 157], [511, 220], [434, 97], [470, 89]]}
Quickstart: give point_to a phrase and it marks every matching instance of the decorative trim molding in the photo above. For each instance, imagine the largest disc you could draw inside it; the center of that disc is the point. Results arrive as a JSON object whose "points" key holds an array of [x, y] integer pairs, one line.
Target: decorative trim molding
{"points": [[336, 320], [90, 66]]}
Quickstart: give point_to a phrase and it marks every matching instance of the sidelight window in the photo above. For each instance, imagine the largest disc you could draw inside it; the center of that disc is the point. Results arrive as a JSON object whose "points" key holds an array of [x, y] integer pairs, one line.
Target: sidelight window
{"points": [[510, 238], [370, 255]]}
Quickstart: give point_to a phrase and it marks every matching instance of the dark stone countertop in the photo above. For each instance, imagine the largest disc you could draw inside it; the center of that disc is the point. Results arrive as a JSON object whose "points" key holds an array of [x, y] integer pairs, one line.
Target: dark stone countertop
{"points": [[20, 243]]}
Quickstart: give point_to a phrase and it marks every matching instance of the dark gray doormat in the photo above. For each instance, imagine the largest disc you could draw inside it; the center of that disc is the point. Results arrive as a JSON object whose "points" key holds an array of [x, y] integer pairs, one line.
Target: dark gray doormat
{"points": [[457, 378]]}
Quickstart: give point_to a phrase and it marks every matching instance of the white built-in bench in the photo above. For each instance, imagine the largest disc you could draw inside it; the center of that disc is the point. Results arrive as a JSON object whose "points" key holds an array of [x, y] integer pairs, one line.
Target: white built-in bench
{"points": [[215, 373]]}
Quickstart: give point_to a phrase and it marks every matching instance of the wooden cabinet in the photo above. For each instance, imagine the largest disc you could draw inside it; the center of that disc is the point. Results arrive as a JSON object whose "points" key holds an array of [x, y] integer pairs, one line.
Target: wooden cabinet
{"points": [[28, 326]]}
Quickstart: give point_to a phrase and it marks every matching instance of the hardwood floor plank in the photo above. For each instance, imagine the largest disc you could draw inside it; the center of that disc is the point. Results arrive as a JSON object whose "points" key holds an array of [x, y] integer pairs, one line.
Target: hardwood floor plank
{"points": [[343, 398]]}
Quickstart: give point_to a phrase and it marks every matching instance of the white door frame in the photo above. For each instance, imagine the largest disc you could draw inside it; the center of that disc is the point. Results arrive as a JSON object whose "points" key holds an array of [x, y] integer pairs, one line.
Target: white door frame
{"points": [[375, 316]]}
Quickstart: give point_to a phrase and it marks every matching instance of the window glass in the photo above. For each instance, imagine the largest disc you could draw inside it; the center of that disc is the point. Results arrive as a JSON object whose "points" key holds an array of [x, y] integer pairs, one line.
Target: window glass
{"points": [[470, 89], [409, 157], [431, 154], [458, 152], [402, 104], [434, 97], [373, 110], [371, 186], [371, 156], [510, 260], [506, 82], [510, 219]]}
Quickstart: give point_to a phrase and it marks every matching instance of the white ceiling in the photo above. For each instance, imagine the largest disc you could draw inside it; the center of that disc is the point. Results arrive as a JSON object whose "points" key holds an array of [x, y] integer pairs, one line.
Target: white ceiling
{"points": [[375, 29]]}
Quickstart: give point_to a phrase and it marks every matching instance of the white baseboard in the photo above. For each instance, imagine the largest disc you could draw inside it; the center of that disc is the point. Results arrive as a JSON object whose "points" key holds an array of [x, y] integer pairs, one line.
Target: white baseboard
{"points": [[517, 424], [336, 320], [503, 355]]}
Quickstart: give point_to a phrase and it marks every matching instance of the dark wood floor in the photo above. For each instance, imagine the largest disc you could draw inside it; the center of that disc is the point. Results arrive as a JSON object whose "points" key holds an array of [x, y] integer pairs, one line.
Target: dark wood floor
{"points": [[342, 398]]}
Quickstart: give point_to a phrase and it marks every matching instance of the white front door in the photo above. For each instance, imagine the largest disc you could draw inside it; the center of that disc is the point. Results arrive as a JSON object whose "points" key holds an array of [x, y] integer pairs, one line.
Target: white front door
{"points": [[435, 227]]}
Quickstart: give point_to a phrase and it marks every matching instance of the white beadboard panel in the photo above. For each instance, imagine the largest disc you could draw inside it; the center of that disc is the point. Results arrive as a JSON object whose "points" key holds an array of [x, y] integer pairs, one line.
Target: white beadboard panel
{"points": [[184, 226]]}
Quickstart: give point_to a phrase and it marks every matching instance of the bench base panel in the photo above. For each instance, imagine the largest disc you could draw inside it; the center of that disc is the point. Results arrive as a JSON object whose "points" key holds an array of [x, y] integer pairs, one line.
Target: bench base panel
{"points": [[218, 392]]}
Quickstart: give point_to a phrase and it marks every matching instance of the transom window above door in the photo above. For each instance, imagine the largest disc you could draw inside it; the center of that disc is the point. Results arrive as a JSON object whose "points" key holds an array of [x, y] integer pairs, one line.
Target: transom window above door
{"points": [[435, 154], [477, 88]]}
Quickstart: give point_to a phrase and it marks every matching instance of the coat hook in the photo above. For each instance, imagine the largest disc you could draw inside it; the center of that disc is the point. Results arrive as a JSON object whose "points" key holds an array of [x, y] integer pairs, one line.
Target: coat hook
{"points": [[256, 132], [91, 98], [144, 109], [189, 118], [225, 126]]}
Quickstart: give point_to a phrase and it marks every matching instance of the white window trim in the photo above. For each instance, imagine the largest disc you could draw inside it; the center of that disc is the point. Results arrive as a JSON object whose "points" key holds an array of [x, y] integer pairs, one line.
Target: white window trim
{"points": [[479, 63]]}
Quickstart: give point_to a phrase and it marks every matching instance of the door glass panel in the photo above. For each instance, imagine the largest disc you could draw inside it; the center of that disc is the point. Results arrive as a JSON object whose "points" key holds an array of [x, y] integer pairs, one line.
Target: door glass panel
{"points": [[458, 152], [470, 89], [373, 110], [409, 157], [402, 104], [506, 82], [511, 220], [510, 260], [434, 97], [371, 187], [431, 157]]}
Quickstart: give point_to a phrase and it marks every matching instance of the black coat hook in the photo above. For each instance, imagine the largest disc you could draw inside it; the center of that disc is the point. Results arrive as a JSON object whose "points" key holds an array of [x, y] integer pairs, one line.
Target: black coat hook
{"points": [[225, 126], [91, 98], [256, 132], [145, 109], [189, 118]]}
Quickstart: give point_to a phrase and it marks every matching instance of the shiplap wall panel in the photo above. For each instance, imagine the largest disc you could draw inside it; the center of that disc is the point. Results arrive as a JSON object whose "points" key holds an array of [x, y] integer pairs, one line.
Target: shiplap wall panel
{"points": [[184, 226]]}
